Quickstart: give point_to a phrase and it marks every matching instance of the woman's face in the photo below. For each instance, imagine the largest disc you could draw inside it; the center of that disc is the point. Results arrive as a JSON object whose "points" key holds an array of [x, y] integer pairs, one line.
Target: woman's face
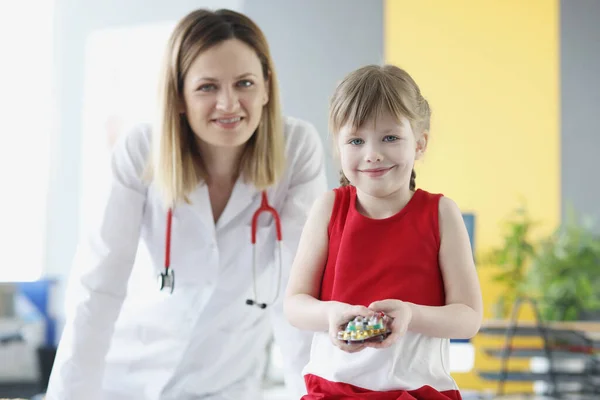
{"points": [[224, 94]]}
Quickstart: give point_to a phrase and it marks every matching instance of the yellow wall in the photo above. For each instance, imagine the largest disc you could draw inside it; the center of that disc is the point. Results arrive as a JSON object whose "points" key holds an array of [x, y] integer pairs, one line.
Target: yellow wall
{"points": [[490, 72]]}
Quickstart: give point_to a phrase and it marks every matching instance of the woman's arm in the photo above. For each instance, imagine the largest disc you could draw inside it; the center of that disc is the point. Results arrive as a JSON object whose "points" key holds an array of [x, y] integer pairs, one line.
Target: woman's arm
{"points": [[98, 282], [306, 162]]}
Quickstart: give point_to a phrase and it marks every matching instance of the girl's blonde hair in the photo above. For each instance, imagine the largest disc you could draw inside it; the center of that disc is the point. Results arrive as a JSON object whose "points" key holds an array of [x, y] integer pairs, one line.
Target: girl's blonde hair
{"points": [[177, 166], [373, 90]]}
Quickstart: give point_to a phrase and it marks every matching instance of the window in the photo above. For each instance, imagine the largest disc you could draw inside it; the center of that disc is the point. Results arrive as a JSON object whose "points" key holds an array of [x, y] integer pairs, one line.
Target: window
{"points": [[120, 86], [27, 118]]}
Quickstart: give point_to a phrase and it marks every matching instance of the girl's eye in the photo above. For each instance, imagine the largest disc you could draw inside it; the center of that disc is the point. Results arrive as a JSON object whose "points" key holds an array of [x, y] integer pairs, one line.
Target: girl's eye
{"points": [[207, 87], [245, 83], [390, 138], [356, 142]]}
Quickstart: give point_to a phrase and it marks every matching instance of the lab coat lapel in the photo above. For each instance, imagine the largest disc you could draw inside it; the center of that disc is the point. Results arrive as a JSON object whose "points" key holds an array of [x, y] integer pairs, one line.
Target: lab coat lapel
{"points": [[243, 196], [200, 204]]}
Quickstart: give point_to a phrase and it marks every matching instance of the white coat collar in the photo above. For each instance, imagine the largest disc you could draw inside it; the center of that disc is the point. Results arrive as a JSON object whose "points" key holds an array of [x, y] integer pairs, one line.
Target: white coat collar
{"points": [[243, 196]]}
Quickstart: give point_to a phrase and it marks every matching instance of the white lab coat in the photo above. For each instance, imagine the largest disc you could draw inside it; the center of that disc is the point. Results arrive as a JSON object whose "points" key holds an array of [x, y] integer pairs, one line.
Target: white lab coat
{"points": [[127, 341]]}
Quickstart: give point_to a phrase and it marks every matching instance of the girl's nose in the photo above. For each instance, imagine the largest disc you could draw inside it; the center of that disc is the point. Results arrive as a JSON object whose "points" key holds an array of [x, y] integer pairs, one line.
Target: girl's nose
{"points": [[374, 156]]}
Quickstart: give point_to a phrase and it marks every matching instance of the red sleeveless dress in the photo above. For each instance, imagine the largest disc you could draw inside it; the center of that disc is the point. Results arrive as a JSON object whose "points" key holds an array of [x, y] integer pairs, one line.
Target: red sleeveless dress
{"points": [[371, 260]]}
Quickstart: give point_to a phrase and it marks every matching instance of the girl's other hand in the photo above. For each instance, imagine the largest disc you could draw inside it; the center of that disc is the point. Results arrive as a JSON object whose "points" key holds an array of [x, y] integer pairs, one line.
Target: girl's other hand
{"points": [[399, 315]]}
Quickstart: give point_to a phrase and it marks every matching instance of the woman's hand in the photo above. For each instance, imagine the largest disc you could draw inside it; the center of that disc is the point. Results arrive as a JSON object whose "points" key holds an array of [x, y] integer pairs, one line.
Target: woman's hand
{"points": [[399, 315], [339, 315]]}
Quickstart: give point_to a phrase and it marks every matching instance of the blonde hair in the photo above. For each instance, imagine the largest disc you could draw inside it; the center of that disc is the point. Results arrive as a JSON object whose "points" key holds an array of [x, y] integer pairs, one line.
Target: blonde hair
{"points": [[370, 91], [177, 166]]}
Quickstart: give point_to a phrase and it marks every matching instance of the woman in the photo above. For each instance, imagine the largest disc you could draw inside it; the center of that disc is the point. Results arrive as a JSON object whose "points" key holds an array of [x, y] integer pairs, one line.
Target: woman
{"points": [[220, 142]]}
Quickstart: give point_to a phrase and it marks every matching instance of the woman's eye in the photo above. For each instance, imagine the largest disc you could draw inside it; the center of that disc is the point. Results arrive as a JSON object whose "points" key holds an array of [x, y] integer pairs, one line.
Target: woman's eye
{"points": [[245, 83], [207, 87], [356, 142], [390, 138]]}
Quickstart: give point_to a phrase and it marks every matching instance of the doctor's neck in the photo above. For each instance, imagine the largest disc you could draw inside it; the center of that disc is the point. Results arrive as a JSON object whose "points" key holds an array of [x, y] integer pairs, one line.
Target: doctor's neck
{"points": [[221, 163]]}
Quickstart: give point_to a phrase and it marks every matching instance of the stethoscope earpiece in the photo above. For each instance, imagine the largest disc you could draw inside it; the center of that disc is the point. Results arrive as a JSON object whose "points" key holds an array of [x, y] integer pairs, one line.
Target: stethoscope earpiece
{"points": [[251, 302]]}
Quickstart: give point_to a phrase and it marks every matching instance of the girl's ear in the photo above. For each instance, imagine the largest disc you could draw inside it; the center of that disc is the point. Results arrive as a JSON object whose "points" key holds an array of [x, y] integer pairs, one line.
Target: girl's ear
{"points": [[422, 145]]}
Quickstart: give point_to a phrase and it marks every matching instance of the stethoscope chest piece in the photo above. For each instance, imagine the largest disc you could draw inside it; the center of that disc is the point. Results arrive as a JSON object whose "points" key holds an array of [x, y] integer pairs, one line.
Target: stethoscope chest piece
{"points": [[166, 281]]}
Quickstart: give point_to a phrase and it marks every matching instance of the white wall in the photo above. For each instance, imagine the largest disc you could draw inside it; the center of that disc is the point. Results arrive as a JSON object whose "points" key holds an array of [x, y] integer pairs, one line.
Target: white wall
{"points": [[580, 101]]}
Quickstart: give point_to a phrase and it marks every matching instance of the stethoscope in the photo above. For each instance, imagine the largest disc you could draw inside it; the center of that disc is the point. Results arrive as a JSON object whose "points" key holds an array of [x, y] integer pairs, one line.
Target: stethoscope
{"points": [[166, 279]]}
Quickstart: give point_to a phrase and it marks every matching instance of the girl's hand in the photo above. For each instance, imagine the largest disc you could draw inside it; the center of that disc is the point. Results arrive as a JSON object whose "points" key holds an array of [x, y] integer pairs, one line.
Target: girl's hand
{"points": [[339, 315], [399, 314]]}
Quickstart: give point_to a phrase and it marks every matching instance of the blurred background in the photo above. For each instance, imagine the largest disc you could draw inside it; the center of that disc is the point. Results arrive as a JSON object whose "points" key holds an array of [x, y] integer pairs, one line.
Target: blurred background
{"points": [[515, 91]]}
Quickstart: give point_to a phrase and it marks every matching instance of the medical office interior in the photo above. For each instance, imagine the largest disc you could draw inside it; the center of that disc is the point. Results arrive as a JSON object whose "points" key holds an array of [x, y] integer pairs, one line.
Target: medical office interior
{"points": [[515, 93]]}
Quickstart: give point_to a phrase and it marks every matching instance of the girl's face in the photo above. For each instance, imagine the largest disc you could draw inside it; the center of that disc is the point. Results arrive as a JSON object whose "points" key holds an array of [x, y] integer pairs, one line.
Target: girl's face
{"points": [[224, 94], [378, 157]]}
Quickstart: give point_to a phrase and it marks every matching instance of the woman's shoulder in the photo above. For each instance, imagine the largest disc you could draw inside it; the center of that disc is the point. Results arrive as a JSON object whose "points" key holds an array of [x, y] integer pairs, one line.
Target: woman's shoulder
{"points": [[136, 140], [300, 133], [303, 145], [131, 151], [304, 157]]}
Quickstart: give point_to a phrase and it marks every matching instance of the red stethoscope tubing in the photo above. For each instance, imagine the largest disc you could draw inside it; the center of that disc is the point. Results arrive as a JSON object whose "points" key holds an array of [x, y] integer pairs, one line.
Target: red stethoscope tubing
{"points": [[264, 207], [168, 239]]}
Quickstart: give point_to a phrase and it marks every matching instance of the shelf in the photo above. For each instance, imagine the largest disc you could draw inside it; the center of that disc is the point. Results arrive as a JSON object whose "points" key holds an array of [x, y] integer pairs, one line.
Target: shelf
{"points": [[561, 341], [530, 353], [538, 376]]}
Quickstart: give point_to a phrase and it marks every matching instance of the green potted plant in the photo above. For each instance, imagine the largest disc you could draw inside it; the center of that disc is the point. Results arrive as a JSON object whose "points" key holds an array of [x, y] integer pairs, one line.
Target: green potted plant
{"points": [[565, 272], [512, 258]]}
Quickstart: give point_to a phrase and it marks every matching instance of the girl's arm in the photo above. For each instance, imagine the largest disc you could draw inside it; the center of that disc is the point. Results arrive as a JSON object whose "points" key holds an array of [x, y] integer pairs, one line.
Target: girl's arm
{"points": [[102, 267], [301, 306], [461, 317]]}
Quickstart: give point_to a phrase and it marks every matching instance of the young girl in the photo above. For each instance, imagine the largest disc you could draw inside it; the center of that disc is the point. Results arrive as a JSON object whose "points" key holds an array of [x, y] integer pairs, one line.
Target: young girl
{"points": [[377, 244]]}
